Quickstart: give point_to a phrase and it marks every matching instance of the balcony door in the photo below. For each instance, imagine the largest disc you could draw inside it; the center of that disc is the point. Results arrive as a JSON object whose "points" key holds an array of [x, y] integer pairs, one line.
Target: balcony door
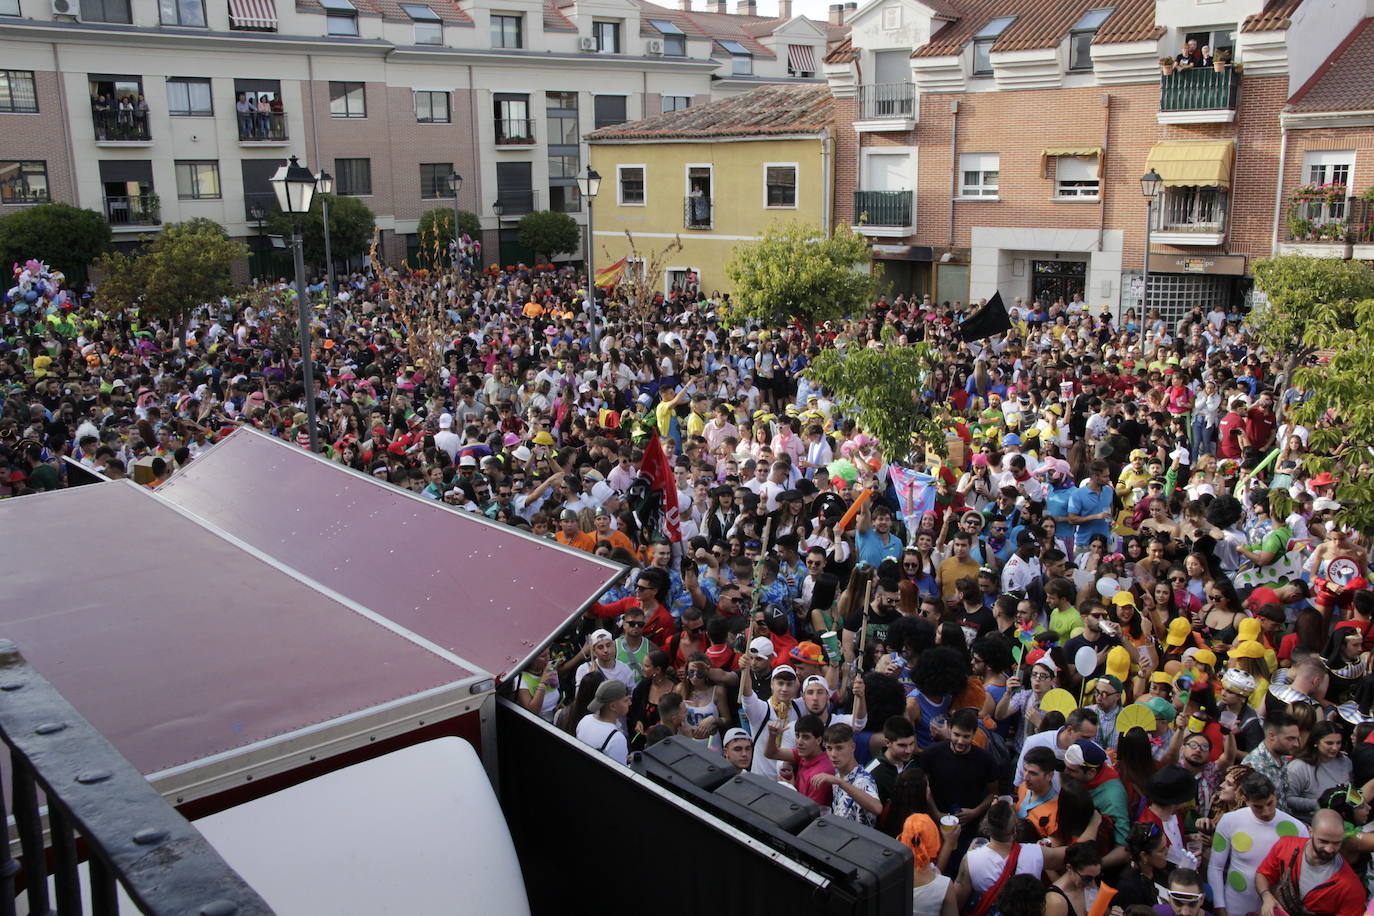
{"points": [[891, 69], [887, 172]]}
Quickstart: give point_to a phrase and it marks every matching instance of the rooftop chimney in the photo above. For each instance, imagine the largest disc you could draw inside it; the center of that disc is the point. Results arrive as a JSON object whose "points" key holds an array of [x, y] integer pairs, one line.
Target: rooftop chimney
{"points": [[837, 14], [785, 9], [747, 7]]}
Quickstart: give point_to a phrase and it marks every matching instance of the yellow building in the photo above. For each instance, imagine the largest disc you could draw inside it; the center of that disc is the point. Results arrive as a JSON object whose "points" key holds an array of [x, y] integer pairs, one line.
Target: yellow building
{"points": [[715, 176]]}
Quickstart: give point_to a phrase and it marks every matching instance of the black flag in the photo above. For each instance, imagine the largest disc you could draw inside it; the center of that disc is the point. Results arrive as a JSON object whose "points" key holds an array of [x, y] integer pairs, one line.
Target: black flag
{"points": [[991, 319]]}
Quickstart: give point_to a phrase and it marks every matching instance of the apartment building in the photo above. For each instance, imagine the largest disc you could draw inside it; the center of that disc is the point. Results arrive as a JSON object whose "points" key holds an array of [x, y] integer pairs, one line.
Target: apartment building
{"points": [[155, 111], [1000, 144], [713, 177]]}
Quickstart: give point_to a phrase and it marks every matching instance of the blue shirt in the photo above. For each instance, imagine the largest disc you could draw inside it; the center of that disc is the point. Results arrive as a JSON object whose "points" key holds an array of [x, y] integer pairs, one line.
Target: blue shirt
{"points": [[1057, 504], [1085, 502], [873, 551]]}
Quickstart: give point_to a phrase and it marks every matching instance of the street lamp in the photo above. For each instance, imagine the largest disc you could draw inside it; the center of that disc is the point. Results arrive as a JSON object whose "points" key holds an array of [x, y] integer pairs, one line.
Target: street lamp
{"points": [[295, 188], [455, 181], [324, 185], [1150, 185], [589, 186]]}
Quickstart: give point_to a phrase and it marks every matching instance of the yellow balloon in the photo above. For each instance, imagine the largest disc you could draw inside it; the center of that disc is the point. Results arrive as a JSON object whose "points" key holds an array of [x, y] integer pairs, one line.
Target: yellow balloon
{"points": [[1133, 715], [1119, 663], [1058, 700]]}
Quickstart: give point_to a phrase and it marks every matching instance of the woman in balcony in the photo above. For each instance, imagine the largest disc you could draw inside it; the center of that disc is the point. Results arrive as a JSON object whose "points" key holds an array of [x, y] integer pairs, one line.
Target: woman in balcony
{"points": [[245, 113], [264, 118]]}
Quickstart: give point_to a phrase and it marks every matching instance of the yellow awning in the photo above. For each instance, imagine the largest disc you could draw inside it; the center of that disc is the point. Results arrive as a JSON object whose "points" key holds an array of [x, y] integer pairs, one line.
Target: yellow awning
{"points": [[1078, 152], [1193, 164]]}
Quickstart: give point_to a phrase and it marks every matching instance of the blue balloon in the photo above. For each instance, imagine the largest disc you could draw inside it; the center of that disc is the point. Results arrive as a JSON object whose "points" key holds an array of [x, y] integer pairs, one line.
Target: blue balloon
{"points": [[21, 308], [31, 295]]}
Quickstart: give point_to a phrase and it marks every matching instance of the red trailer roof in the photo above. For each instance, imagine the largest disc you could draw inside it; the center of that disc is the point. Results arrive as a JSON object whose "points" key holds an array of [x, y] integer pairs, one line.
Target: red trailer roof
{"points": [[178, 644], [485, 592]]}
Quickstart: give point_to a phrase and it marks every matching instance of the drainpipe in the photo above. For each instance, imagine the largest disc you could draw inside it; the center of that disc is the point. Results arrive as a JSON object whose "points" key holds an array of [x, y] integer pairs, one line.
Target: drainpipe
{"points": [[827, 184], [1102, 168], [67, 130], [1278, 190], [953, 165], [314, 117]]}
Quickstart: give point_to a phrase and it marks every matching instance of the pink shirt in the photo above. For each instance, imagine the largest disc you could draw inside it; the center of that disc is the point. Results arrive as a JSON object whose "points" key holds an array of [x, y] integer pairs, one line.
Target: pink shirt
{"points": [[806, 768]]}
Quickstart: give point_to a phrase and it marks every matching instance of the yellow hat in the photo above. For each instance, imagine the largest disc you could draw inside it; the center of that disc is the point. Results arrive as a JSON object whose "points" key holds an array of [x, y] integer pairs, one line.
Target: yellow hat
{"points": [[1159, 677], [1205, 657], [1179, 630], [1118, 663], [1249, 630], [1247, 649], [1123, 598], [543, 438], [1139, 453]]}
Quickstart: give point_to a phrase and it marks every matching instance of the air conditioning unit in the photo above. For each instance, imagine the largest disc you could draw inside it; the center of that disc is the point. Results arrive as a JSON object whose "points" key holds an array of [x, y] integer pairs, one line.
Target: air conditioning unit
{"points": [[588, 43], [655, 46], [67, 8]]}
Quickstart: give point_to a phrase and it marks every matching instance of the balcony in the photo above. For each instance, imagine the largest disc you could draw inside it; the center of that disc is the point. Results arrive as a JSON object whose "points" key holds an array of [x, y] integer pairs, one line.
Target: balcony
{"points": [[133, 212], [886, 107], [514, 132], [698, 212], [1201, 95], [1191, 216], [120, 127], [886, 214], [263, 129], [516, 202], [1328, 225]]}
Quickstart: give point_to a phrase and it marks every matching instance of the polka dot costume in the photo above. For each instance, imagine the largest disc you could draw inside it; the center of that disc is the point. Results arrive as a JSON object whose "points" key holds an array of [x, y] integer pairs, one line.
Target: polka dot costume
{"points": [[1239, 846]]}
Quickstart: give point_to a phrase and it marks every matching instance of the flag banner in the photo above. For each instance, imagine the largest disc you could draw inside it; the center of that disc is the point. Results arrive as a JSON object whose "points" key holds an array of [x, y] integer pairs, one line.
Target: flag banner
{"points": [[608, 277], [991, 319], [655, 469], [915, 493]]}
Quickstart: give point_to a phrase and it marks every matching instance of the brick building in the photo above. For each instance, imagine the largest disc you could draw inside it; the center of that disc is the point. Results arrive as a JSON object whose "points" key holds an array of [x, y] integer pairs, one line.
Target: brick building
{"points": [[993, 145]]}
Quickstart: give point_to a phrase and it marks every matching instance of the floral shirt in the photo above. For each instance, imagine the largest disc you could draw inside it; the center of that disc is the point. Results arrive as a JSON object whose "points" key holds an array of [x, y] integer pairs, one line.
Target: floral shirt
{"points": [[843, 804], [1264, 762]]}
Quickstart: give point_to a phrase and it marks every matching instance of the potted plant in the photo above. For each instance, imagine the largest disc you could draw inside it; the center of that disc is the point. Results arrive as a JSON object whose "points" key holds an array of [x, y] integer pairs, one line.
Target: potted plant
{"points": [[1368, 193], [1299, 228], [1333, 231], [1221, 59], [1166, 65]]}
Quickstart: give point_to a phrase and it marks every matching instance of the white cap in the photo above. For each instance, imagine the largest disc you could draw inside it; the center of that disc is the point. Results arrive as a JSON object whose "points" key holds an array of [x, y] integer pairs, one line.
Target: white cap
{"points": [[816, 679], [1323, 503], [467, 461], [445, 420], [735, 734], [601, 636], [762, 645], [784, 669]]}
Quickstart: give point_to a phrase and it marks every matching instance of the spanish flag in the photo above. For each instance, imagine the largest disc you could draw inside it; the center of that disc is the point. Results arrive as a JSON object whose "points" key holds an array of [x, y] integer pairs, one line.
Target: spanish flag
{"points": [[608, 277]]}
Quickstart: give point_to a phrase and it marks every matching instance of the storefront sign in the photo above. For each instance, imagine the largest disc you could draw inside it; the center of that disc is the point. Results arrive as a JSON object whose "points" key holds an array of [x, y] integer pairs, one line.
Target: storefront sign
{"points": [[903, 253], [1230, 265]]}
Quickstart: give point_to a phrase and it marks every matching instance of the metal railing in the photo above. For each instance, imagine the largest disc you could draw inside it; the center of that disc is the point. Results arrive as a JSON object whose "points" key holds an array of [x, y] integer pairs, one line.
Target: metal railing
{"points": [[1199, 89], [260, 128], [514, 131], [887, 100], [883, 208], [1192, 210], [1321, 221], [698, 212], [130, 833], [519, 202], [121, 126], [140, 210]]}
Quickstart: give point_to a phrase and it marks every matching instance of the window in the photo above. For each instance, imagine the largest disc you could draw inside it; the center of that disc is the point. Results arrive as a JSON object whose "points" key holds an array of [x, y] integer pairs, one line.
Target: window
{"points": [[189, 98], [429, 28], [609, 109], [434, 180], [1081, 38], [630, 184], [676, 103], [1076, 176], [182, 12], [674, 39], [515, 187], [1328, 168], [17, 91], [506, 31], [780, 185], [511, 113], [431, 107], [341, 17], [741, 61], [198, 180], [347, 100], [607, 35], [979, 173], [801, 61], [353, 177], [983, 41], [23, 182], [565, 153], [105, 11], [9, 8]]}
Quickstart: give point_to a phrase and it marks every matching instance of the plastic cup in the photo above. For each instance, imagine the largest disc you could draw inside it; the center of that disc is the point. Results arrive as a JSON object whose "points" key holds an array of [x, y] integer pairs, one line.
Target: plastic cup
{"points": [[948, 823], [1227, 720], [831, 641]]}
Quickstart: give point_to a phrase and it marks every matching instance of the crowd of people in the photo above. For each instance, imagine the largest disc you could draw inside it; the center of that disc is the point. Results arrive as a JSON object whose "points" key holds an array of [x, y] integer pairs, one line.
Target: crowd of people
{"points": [[1104, 647]]}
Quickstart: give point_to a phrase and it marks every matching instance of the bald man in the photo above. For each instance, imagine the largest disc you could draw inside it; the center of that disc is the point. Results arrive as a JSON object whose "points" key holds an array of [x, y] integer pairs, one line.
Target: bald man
{"points": [[1309, 875]]}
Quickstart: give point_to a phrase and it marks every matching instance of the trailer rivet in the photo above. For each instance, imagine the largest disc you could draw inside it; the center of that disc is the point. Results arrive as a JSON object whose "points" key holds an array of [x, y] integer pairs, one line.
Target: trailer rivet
{"points": [[149, 835], [93, 776], [50, 728], [219, 908], [12, 685]]}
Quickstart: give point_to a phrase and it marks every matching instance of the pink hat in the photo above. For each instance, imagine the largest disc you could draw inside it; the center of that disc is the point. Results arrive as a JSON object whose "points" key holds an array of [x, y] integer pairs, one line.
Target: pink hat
{"points": [[510, 439], [979, 460]]}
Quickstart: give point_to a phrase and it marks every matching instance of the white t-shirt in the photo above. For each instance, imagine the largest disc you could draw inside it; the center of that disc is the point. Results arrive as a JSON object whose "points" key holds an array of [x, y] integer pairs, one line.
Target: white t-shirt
{"points": [[605, 737], [929, 899], [985, 864], [617, 672]]}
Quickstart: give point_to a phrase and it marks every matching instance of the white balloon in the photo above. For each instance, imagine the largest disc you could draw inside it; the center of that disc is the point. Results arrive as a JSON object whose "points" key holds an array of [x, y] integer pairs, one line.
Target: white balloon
{"points": [[1107, 587], [1085, 660]]}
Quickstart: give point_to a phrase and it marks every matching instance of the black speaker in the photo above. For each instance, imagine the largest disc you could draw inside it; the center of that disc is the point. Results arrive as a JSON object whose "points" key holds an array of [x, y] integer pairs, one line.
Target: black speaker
{"points": [[761, 800], [876, 870], [677, 762]]}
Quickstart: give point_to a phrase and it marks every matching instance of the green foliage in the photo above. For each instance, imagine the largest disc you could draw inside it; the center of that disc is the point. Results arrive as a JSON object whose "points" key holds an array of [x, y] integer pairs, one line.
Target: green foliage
{"points": [[351, 225], [436, 229], [795, 273], [186, 265], [881, 389], [67, 238], [1325, 306], [548, 232]]}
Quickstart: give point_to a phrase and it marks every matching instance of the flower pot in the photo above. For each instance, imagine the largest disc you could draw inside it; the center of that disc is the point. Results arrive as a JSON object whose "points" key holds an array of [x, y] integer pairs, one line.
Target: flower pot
{"points": [[1219, 66]]}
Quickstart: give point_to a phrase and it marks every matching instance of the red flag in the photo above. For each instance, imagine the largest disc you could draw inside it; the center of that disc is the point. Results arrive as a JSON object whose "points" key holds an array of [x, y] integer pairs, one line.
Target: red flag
{"points": [[660, 476]]}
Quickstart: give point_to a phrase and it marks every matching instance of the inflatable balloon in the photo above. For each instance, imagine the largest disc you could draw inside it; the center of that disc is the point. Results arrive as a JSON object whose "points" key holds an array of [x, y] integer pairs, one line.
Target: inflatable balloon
{"points": [[38, 291]]}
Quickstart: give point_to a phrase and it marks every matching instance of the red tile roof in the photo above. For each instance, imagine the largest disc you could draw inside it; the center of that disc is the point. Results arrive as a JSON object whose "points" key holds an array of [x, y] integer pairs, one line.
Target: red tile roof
{"points": [[1345, 81], [728, 27], [390, 10], [762, 112], [842, 53], [1276, 16], [1041, 24], [554, 19]]}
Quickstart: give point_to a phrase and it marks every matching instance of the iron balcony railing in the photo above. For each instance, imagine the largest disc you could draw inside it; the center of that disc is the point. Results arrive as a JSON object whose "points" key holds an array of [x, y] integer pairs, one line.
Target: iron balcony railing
{"points": [[1192, 210], [121, 126], [262, 128], [129, 832], [518, 202], [1322, 220], [883, 208], [514, 132], [698, 212], [1199, 89], [886, 100], [140, 210]]}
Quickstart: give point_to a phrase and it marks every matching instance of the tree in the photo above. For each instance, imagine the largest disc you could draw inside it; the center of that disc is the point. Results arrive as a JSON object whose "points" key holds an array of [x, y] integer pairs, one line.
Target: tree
{"points": [[795, 273], [185, 266], [436, 228], [67, 238], [351, 225], [1321, 312], [548, 232], [880, 388]]}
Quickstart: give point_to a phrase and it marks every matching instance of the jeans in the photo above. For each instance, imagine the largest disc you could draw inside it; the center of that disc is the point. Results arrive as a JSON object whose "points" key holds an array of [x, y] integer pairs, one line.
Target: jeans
{"points": [[1204, 438]]}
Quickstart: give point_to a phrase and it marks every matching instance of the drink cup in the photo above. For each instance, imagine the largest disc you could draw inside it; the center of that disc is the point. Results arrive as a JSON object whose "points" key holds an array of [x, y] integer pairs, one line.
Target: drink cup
{"points": [[948, 823]]}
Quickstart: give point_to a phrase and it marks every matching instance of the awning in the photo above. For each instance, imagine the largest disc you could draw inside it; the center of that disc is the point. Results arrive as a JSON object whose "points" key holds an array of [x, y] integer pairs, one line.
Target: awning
{"points": [[801, 58], [253, 14], [1078, 152], [1193, 164]]}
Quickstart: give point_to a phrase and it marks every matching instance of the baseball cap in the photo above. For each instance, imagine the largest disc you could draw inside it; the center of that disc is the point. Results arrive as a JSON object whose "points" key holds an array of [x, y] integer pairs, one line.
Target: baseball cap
{"points": [[1262, 595], [784, 671], [1162, 708], [1121, 599], [467, 461], [762, 645], [1248, 649], [1161, 677], [735, 734], [445, 420], [815, 679], [1011, 439], [601, 636], [1205, 657], [1085, 753], [1180, 628], [609, 692]]}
